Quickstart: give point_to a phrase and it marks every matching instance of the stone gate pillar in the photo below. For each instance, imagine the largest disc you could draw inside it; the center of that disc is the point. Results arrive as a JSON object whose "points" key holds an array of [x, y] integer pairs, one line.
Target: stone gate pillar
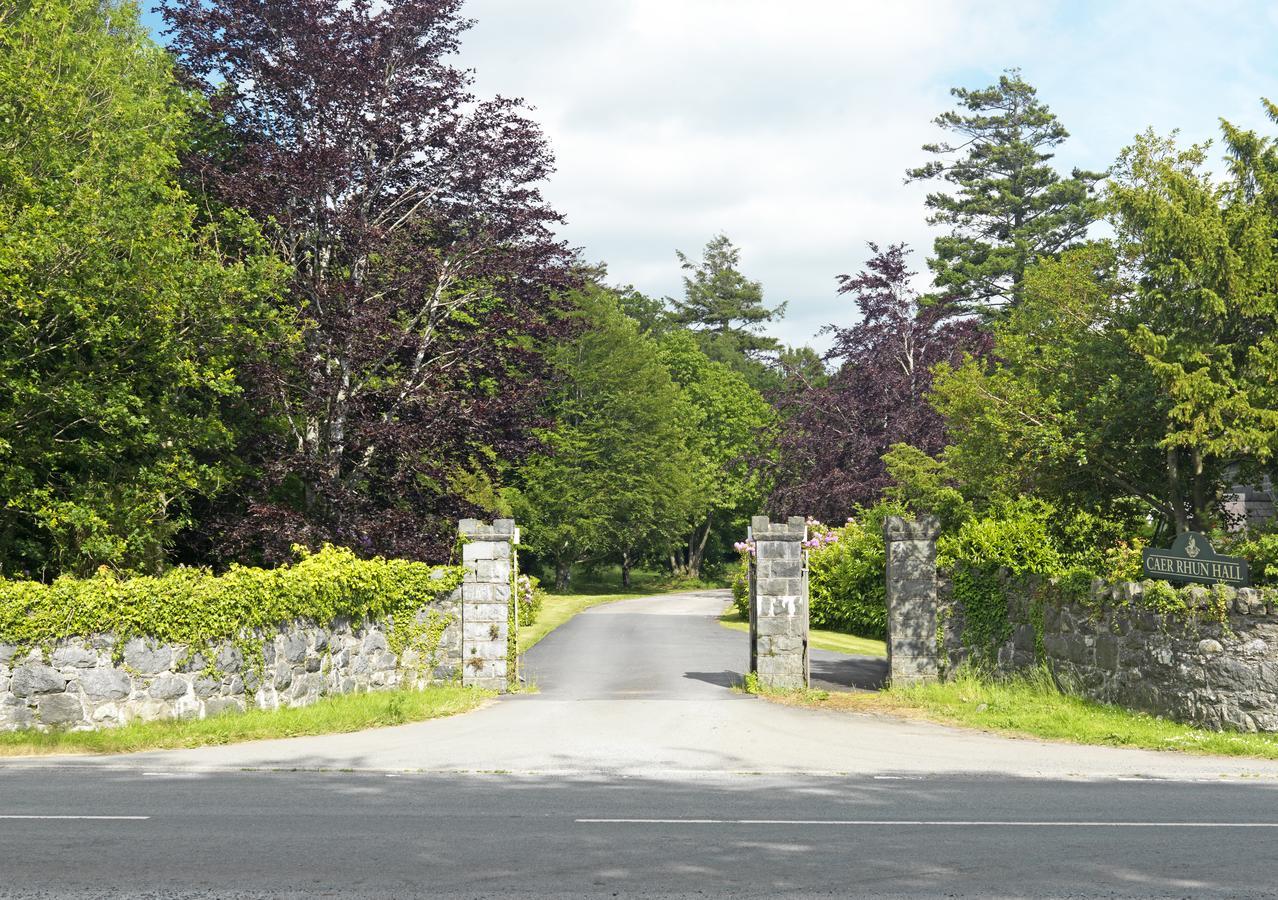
{"points": [[488, 553], [779, 603], [911, 598]]}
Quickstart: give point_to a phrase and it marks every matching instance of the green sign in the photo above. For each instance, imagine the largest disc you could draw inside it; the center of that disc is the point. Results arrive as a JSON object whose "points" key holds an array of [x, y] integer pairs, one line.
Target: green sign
{"points": [[1192, 559]]}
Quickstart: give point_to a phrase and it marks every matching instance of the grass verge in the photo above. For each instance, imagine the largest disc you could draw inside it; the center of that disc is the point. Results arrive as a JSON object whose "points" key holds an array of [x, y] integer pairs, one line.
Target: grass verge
{"points": [[818, 637], [1031, 705], [332, 715]]}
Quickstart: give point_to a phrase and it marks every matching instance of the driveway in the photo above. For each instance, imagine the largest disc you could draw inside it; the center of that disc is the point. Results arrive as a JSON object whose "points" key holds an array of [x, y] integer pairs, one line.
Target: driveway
{"points": [[643, 688]]}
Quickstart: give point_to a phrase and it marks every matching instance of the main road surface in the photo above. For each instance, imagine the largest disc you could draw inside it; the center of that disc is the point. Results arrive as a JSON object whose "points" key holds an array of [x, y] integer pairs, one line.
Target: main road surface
{"points": [[636, 769]]}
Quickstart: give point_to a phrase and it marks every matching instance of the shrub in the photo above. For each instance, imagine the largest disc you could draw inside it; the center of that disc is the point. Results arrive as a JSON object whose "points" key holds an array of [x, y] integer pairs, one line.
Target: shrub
{"points": [[194, 607], [846, 574], [1014, 538], [1261, 552], [741, 585], [529, 597]]}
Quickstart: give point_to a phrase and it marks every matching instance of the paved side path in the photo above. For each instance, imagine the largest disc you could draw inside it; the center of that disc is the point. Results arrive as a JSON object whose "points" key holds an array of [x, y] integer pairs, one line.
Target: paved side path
{"points": [[642, 688]]}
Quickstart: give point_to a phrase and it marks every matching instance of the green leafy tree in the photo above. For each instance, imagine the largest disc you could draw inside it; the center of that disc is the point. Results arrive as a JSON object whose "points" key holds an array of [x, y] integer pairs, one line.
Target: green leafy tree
{"points": [[1207, 304], [1142, 369], [123, 323], [614, 477], [725, 309], [729, 426], [1009, 206]]}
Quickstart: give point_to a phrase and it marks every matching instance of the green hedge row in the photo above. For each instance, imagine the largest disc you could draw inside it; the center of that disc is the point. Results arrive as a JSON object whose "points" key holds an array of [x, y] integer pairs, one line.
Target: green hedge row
{"points": [[197, 608]]}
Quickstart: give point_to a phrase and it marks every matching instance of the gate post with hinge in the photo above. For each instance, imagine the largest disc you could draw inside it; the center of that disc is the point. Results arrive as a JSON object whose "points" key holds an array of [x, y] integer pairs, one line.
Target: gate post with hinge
{"points": [[488, 553], [779, 603], [911, 598]]}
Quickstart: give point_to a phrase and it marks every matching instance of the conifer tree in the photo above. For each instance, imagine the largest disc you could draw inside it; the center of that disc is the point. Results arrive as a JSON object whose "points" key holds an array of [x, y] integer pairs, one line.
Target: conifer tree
{"points": [[1009, 206]]}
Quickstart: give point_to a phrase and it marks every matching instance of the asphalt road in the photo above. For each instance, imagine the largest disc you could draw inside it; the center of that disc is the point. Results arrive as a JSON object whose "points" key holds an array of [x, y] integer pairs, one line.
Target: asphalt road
{"points": [[636, 770], [372, 836]]}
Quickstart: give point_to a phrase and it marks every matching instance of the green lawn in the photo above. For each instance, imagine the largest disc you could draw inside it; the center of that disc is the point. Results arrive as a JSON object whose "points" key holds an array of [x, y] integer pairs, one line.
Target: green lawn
{"points": [[334, 715], [818, 637], [1032, 706]]}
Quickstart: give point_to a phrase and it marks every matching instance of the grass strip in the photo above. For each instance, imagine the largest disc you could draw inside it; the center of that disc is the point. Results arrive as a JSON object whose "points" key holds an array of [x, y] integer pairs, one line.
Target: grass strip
{"points": [[1031, 705], [331, 715], [818, 637]]}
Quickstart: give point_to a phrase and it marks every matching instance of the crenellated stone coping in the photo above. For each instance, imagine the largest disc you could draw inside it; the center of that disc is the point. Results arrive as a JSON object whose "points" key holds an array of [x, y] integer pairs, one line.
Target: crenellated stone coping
{"points": [[79, 685]]}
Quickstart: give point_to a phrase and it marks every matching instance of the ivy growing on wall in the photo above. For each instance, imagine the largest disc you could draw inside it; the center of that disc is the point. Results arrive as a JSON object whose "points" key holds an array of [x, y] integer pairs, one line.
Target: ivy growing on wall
{"points": [[199, 609]]}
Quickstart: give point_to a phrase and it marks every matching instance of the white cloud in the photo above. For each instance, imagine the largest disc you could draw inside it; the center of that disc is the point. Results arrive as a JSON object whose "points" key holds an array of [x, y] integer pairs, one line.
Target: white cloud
{"points": [[790, 126]]}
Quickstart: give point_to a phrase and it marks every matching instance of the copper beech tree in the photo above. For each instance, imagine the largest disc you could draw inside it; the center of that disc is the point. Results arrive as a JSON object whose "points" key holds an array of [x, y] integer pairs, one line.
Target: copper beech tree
{"points": [[424, 260], [831, 448]]}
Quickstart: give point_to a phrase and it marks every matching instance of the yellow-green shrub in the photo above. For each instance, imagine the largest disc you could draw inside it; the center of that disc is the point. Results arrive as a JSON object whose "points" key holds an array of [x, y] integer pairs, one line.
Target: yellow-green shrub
{"points": [[195, 607]]}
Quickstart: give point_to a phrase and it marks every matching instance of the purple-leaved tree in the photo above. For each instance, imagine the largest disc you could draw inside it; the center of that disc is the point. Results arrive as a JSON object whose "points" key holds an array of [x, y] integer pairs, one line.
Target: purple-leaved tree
{"points": [[424, 262], [835, 435]]}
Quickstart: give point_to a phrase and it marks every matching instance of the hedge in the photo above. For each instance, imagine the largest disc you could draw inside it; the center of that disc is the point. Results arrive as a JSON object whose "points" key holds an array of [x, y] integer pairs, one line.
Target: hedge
{"points": [[197, 608]]}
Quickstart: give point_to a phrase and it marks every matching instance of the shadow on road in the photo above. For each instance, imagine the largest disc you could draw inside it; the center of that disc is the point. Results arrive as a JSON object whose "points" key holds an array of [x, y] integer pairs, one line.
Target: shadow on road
{"points": [[848, 673], [722, 679]]}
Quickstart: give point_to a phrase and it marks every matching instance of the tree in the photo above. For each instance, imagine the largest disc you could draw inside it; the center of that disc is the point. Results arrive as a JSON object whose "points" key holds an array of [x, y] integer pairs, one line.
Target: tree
{"points": [[728, 425], [614, 475], [1010, 207], [1142, 369], [1062, 408], [1206, 304], [725, 309], [831, 448], [423, 260], [124, 323]]}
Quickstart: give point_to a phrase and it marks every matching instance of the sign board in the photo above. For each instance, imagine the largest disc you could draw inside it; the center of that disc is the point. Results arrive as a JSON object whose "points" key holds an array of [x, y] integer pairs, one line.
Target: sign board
{"points": [[1192, 559]]}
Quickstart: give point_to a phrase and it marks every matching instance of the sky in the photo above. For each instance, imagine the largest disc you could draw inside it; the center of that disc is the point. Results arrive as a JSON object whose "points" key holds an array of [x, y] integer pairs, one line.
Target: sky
{"points": [[789, 125]]}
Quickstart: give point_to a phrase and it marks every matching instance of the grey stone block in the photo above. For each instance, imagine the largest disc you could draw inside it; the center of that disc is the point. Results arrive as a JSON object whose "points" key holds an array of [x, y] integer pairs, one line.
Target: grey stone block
{"points": [[30, 679], [167, 687], [294, 648], [60, 710], [229, 658], [217, 706], [106, 684], [141, 656], [74, 657], [7, 653]]}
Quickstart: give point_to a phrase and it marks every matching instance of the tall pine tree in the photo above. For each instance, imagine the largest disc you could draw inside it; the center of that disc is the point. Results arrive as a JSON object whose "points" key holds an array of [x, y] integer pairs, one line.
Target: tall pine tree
{"points": [[1009, 206], [725, 310]]}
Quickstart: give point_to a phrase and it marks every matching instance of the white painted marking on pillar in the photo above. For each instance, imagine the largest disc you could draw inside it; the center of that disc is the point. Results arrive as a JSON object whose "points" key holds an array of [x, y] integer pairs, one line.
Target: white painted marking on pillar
{"points": [[88, 818], [918, 823]]}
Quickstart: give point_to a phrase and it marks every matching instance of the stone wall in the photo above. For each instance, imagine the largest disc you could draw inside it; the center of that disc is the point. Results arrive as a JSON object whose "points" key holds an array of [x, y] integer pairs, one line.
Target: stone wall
{"points": [[1190, 669], [90, 683]]}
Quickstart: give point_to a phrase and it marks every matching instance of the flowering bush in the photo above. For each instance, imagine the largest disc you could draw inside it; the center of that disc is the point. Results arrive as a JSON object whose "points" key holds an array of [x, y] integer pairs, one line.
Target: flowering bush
{"points": [[846, 575], [528, 596]]}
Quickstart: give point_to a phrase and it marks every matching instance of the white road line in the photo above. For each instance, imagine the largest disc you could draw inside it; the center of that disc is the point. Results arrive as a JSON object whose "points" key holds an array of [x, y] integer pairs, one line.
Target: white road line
{"points": [[929, 823], [90, 818]]}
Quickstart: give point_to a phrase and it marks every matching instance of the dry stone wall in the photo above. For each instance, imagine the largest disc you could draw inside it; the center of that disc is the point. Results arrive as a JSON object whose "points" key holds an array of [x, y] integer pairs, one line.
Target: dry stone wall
{"points": [[1219, 675], [90, 683]]}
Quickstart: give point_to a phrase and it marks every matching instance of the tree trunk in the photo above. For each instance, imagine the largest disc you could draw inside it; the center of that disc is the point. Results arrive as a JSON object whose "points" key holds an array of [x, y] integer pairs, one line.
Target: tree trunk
{"points": [[697, 549], [1176, 490], [563, 572], [1199, 490], [625, 569]]}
